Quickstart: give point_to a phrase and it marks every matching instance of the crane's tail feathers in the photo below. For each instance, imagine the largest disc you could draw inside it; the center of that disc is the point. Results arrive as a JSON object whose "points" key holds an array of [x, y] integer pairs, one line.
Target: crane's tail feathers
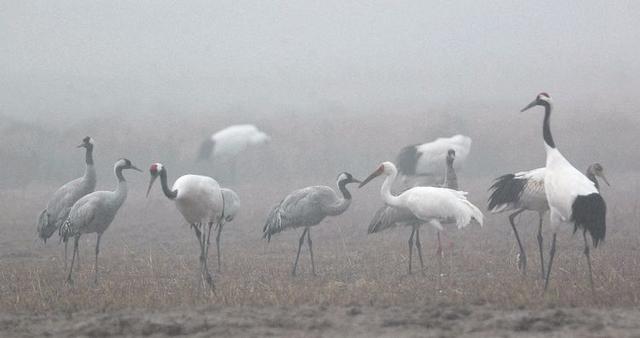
{"points": [[273, 225], [382, 220], [471, 213], [505, 193], [589, 214], [407, 160], [206, 149], [65, 230]]}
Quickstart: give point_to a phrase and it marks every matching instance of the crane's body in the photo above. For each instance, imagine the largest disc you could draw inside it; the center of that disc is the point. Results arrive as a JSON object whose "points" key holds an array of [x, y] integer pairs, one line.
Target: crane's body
{"points": [[418, 205], [200, 201], [572, 197], [62, 200], [94, 213], [427, 159], [307, 207]]}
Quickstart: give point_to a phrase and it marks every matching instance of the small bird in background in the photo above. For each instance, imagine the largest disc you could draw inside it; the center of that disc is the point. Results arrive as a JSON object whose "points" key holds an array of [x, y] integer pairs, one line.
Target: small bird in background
{"points": [[307, 207]]}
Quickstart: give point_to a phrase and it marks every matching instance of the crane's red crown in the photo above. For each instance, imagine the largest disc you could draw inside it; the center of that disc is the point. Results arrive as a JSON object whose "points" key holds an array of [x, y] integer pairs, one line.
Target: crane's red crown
{"points": [[155, 168]]}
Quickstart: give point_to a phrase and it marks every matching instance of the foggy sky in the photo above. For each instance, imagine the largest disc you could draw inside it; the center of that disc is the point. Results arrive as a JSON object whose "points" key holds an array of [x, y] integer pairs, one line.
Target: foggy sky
{"points": [[64, 59]]}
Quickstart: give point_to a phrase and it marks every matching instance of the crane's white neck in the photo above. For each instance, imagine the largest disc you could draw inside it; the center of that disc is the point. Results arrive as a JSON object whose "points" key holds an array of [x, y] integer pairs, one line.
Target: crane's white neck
{"points": [[385, 191]]}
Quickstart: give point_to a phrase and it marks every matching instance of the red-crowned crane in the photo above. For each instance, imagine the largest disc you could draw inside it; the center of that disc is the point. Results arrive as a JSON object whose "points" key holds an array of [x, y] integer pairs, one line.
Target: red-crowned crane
{"points": [[307, 207], [525, 191], [228, 143], [63, 199], [389, 216], [200, 201], [572, 197], [426, 161], [94, 213], [433, 205]]}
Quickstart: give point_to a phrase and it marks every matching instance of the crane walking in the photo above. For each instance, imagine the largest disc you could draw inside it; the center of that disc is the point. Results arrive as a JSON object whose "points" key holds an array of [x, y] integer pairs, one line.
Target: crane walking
{"points": [[94, 213], [525, 191], [572, 197], [307, 207], [63, 199], [200, 201], [431, 205]]}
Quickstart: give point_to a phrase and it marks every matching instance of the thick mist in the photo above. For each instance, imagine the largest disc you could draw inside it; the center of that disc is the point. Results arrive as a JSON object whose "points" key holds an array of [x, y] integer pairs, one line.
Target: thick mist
{"points": [[339, 85]]}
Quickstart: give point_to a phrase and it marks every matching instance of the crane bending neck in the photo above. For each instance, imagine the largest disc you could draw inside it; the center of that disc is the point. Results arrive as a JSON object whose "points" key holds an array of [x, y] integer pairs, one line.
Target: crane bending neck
{"points": [[385, 191], [546, 128], [342, 185], [171, 194]]}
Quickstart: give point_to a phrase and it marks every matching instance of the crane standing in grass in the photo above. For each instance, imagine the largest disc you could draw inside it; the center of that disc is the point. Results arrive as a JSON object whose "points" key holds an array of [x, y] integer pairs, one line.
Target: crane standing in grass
{"points": [[572, 197], [94, 213], [63, 199], [525, 191], [200, 201], [307, 207], [431, 205], [390, 216]]}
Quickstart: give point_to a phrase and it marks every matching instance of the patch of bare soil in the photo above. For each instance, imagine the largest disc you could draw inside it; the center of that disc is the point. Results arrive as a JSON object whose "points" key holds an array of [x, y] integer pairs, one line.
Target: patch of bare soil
{"points": [[320, 321]]}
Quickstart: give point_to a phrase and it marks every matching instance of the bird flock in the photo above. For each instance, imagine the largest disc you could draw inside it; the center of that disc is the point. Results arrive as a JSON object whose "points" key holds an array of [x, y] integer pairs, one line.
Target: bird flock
{"points": [[430, 194]]}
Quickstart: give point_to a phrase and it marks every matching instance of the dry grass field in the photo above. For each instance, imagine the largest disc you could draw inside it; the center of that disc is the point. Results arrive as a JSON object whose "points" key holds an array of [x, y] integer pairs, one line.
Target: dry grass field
{"points": [[149, 274]]}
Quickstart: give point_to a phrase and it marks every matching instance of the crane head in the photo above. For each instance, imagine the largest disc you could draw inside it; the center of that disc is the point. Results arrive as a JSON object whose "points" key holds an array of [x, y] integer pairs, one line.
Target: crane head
{"points": [[540, 100], [598, 170], [87, 142], [451, 156], [384, 168], [154, 171], [124, 163], [346, 178]]}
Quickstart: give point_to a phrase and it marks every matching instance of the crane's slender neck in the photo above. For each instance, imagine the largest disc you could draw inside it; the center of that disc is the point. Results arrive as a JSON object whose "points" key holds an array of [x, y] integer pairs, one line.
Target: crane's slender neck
{"points": [[121, 190], [546, 128], [88, 155], [119, 175], [342, 185], [385, 191], [592, 176], [450, 178], [171, 194]]}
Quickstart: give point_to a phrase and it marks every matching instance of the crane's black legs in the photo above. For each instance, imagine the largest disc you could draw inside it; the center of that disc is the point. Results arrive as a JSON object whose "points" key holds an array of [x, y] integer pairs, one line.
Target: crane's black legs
{"points": [[419, 247], [207, 280], [76, 239], [218, 245], [313, 265], [522, 257], [552, 253], [413, 231], [439, 253], [65, 254], [586, 253], [300, 242], [97, 252], [541, 215]]}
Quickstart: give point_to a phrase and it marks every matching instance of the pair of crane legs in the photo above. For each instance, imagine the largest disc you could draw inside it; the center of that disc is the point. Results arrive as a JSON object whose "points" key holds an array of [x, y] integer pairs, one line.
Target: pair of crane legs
{"points": [[416, 232], [522, 257], [203, 240]]}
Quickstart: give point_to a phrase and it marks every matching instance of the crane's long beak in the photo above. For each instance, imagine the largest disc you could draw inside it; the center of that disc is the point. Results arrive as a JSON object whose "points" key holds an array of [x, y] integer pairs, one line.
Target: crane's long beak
{"points": [[604, 179], [372, 176], [81, 145], [532, 104], [355, 180], [153, 179], [135, 168]]}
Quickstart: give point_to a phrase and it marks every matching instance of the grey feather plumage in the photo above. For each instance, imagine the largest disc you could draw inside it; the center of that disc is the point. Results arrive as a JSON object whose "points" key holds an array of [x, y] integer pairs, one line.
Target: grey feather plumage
{"points": [[58, 207], [304, 207], [231, 202]]}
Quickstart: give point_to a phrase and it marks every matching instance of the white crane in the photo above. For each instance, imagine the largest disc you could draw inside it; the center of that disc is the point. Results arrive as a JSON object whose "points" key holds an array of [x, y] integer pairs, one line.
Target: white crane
{"points": [[418, 205], [60, 204], [228, 143], [525, 191], [307, 207], [94, 213], [427, 159], [200, 201], [572, 197], [389, 216]]}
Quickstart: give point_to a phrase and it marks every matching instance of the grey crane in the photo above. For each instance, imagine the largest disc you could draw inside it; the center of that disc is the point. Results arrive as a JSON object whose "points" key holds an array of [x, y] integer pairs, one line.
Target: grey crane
{"points": [[524, 191], [389, 216], [57, 210], [307, 207], [94, 213]]}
